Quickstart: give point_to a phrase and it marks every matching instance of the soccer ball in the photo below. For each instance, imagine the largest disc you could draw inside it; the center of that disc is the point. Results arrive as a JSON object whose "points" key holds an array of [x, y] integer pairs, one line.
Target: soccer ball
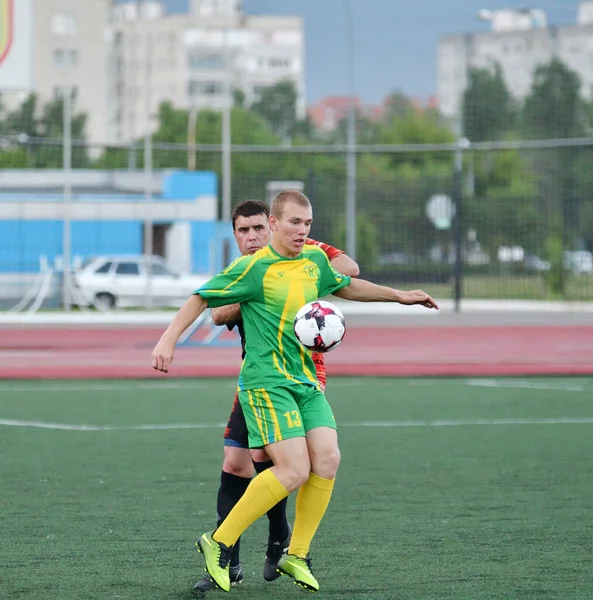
{"points": [[319, 326]]}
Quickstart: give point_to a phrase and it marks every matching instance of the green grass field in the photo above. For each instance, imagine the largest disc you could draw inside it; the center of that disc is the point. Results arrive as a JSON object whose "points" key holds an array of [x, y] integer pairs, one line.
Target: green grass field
{"points": [[448, 489], [525, 287]]}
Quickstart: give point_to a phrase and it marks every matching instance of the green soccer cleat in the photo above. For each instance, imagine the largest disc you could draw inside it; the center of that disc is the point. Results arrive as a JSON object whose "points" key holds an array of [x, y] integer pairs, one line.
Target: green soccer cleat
{"points": [[300, 570], [217, 557], [206, 584]]}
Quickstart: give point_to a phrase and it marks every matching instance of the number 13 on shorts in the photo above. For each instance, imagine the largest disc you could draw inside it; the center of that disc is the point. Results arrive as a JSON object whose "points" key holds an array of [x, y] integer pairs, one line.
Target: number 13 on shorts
{"points": [[293, 418]]}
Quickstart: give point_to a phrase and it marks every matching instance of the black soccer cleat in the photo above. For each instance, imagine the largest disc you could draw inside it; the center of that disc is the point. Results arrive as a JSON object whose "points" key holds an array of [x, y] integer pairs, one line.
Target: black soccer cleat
{"points": [[273, 555]]}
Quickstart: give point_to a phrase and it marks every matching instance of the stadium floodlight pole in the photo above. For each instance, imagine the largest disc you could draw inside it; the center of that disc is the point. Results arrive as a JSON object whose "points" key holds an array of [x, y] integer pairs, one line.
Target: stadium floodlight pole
{"points": [[226, 131], [67, 201], [351, 138]]}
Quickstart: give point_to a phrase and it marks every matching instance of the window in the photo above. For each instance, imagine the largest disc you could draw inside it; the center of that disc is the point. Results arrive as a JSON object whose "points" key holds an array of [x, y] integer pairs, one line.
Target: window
{"points": [[128, 268], [65, 57], [205, 61], [159, 269], [104, 268], [63, 24], [279, 63], [208, 88]]}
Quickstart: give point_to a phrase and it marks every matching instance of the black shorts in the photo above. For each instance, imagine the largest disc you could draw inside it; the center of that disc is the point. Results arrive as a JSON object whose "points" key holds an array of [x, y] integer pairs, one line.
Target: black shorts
{"points": [[236, 434]]}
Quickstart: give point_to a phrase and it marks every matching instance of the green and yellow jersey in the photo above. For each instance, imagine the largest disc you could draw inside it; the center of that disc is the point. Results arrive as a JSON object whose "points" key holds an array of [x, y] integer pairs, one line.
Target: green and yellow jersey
{"points": [[271, 289]]}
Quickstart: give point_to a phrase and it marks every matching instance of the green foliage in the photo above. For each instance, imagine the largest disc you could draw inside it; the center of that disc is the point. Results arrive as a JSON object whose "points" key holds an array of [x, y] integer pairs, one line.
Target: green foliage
{"points": [[238, 98], [555, 276], [38, 132], [554, 107], [14, 158], [277, 105], [488, 111], [367, 131], [416, 127], [367, 247], [398, 105]]}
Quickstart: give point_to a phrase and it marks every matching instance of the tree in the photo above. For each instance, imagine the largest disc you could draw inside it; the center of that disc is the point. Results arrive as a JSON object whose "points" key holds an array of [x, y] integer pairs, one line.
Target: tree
{"points": [[51, 128], [277, 105], [487, 111], [22, 120], [397, 105], [367, 246], [37, 133], [554, 109]]}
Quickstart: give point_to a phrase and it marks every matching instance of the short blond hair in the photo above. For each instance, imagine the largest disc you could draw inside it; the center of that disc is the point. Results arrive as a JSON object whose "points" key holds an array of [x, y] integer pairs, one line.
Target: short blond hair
{"points": [[283, 198]]}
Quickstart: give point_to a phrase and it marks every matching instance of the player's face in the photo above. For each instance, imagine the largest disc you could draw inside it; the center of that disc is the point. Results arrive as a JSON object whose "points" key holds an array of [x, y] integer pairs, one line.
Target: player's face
{"points": [[252, 233], [292, 228]]}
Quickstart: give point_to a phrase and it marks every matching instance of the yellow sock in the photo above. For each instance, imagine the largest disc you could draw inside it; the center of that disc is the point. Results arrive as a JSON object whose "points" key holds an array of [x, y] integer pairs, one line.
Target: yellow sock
{"points": [[311, 503], [264, 492]]}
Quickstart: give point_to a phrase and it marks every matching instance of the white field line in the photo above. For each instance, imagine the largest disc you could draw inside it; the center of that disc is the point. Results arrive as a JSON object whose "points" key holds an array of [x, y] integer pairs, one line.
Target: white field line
{"points": [[563, 386], [526, 385], [176, 426]]}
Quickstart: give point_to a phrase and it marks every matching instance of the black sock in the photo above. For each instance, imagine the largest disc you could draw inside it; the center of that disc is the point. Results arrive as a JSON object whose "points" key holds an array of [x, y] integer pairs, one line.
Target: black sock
{"points": [[232, 487], [277, 514]]}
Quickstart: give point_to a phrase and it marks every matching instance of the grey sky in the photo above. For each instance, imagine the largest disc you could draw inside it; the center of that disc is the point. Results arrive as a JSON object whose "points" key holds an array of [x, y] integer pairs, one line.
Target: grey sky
{"points": [[395, 41]]}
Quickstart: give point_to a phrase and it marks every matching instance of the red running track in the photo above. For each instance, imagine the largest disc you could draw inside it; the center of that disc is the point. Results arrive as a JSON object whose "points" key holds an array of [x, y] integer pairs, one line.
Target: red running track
{"points": [[79, 353]]}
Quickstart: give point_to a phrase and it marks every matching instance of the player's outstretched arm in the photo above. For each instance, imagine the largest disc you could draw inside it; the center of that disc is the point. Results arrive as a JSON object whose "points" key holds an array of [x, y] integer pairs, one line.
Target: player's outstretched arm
{"points": [[360, 290], [345, 265], [162, 355], [223, 315]]}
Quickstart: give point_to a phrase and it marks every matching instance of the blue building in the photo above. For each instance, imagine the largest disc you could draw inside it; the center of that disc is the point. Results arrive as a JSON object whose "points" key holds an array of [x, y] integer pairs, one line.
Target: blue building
{"points": [[108, 213]]}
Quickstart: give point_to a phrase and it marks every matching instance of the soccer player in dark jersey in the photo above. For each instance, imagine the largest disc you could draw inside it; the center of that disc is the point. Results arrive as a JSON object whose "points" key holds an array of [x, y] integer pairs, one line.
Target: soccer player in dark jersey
{"points": [[285, 409], [252, 233]]}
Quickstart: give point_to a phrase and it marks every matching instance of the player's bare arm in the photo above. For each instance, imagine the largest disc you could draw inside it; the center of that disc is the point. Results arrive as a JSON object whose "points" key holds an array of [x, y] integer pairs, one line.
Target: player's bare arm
{"points": [[162, 355], [345, 265], [360, 290], [223, 315]]}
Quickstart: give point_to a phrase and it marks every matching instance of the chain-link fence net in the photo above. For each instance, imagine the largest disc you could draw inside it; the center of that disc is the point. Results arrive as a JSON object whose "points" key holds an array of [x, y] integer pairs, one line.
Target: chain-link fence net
{"points": [[526, 213]]}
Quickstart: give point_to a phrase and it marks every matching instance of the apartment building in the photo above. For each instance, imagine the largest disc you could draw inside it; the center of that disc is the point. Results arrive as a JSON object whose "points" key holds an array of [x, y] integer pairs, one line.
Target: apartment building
{"points": [[520, 41], [120, 60]]}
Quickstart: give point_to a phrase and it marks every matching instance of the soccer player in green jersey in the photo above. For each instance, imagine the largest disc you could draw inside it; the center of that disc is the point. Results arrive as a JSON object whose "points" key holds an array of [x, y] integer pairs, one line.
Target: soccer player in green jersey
{"points": [[286, 410], [251, 229]]}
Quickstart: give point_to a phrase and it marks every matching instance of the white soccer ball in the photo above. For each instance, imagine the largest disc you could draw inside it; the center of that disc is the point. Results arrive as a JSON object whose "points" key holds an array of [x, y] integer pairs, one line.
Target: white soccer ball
{"points": [[319, 326]]}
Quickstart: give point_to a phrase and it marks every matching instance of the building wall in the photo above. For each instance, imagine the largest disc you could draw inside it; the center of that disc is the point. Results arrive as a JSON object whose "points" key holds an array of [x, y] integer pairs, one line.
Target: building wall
{"points": [[71, 50], [23, 243], [183, 59], [34, 229], [122, 62], [519, 54]]}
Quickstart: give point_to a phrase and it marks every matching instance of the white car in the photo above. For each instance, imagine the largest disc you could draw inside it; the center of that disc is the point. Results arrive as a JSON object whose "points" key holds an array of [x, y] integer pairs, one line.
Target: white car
{"points": [[133, 281], [578, 261]]}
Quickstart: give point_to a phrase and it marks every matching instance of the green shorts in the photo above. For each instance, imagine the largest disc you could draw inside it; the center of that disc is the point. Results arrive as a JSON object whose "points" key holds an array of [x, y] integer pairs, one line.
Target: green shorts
{"points": [[283, 412]]}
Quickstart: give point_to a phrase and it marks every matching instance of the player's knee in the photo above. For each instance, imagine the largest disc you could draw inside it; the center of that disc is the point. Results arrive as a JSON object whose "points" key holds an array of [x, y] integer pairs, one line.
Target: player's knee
{"points": [[294, 474], [298, 475], [237, 461], [326, 463], [260, 456]]}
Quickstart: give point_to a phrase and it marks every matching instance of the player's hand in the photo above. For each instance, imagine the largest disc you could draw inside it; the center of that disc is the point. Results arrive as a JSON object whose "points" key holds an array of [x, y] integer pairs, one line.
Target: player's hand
{"points": [[416, 297], [162, 355]]}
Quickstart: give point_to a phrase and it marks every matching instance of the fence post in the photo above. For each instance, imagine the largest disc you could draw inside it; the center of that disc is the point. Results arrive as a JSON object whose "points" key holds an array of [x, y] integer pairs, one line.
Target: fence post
{"points": [[458, 220]]}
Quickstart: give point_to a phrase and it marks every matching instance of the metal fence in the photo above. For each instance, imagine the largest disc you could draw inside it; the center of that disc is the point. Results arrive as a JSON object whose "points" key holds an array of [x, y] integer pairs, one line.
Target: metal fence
{"points": [[491, 220]]}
